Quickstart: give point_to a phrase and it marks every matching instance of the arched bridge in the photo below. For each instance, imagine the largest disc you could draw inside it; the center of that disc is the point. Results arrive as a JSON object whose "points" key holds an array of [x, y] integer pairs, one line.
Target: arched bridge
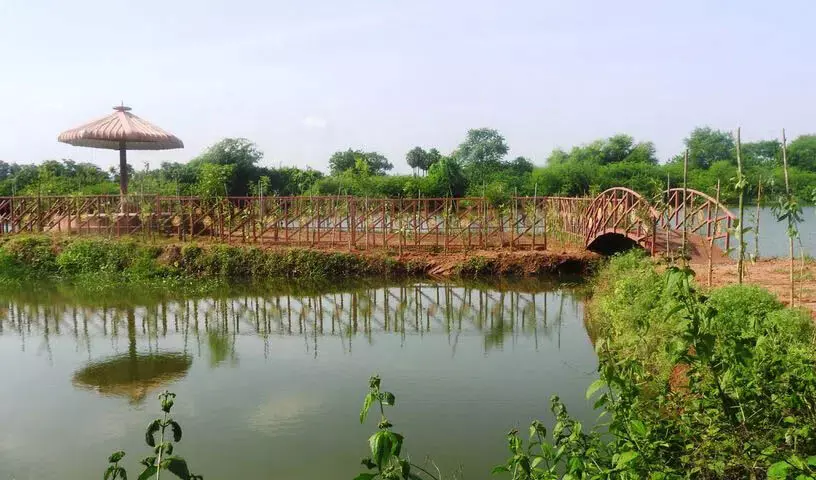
{"points": [[613, 220], [620, 218]]}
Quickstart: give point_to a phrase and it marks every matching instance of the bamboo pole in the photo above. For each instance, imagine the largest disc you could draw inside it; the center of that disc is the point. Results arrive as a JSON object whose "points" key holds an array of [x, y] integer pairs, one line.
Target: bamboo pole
{"points": [[756, 224], [535, 210], [787, 192], [713, 236], [685, 205], [740, 187], [668, 219]]}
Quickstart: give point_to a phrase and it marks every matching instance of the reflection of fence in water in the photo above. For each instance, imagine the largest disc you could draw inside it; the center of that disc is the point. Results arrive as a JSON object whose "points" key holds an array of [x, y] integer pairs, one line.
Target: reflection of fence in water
{"points": [[406, 310]]}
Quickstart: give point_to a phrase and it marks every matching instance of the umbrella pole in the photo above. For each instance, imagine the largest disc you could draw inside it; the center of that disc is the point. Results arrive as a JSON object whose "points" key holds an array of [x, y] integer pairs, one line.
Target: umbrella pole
{"points": [[123, 178], [123, 174]]}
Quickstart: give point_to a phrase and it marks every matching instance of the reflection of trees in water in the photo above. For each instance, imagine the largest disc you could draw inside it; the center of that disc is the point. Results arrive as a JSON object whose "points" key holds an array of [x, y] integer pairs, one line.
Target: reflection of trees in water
{"points": [[214, 324]]}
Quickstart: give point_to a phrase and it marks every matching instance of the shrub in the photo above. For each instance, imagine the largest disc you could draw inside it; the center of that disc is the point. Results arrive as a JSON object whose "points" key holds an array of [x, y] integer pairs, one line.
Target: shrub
{"points": [[95, 256], [35, 253]]}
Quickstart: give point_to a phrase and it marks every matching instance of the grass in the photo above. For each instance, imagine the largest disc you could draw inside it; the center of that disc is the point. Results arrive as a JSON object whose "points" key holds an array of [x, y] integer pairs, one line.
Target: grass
{"points": [[99, 264]]}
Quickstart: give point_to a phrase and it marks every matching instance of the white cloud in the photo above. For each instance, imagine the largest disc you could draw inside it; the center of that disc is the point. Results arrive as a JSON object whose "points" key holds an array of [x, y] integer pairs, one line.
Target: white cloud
{"points": [[315, 122]]}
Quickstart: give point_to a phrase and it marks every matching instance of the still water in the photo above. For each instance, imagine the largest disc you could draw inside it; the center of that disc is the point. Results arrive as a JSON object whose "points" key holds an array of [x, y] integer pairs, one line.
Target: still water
{"points": [[773, 236], [269, 385]]}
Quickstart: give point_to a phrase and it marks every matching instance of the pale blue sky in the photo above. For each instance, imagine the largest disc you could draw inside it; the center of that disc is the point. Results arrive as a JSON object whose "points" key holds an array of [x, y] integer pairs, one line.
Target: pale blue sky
{"points": [[306, 78]]}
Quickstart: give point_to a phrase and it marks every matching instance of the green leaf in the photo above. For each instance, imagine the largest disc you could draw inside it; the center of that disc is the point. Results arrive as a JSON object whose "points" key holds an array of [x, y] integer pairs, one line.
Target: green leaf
{"points": [[122, 473], [536, 461], [177, 466], [116, 456], [176, 430], [594, 387], [811, 461], [154, 427], [369, 399], [396, 443], [778, 470], [625, 458], [499, 469], [639, 428], [381, 447], [109, 472], [365, 476], [388, 398], [406, 468], [148, 473]]}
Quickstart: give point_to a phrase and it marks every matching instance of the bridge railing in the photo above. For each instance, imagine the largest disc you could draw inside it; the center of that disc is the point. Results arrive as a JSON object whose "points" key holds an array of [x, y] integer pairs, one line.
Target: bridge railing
{"points": [[699, 214], [333, 221]]}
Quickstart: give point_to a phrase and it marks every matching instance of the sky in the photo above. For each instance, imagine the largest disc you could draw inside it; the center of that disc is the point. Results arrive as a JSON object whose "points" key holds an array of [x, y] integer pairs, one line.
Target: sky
{"points": [[304, 79]]}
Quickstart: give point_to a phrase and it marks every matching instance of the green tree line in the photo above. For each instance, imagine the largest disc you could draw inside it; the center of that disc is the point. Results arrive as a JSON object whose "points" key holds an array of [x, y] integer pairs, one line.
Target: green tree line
{"points": [[479, 166]]}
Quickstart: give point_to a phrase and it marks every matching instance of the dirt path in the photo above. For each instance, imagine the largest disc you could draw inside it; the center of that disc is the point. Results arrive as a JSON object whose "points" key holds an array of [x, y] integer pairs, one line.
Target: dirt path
{"points": [[769, 273]]}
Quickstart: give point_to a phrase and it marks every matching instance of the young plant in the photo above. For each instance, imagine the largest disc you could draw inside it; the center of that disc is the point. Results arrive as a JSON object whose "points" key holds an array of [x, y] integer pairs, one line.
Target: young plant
{"points": [[114, 471], [385, 461], [163, 458], [787, 209]]}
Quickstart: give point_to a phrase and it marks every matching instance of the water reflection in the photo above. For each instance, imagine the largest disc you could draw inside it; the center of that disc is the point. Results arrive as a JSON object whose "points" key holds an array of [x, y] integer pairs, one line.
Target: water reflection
{"points": [[498, 315], [134, 375], [283, 372]]}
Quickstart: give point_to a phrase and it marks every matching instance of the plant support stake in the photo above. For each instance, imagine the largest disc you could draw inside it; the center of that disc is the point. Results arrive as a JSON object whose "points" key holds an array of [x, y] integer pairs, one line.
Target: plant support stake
{"points": [[740, 186]]}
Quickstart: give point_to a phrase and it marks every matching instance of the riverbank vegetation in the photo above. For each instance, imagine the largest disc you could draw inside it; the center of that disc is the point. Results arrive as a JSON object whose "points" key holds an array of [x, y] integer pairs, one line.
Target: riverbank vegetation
{"points": [[717, 384], [100, 264], [479, 166]]}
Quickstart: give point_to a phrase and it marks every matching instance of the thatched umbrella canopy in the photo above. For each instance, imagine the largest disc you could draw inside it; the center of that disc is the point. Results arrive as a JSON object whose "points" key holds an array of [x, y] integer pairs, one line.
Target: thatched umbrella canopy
{"points": [[121, 131]]}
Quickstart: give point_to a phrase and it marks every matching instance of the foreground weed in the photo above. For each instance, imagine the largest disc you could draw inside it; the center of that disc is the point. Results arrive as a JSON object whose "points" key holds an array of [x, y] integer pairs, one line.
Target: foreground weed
{"points": [[162, 458]]}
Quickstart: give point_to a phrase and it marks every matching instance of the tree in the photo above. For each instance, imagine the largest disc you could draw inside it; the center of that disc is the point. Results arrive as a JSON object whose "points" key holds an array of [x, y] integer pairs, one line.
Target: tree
{"points": [[616, 148], [343, 160], [802, 152], [5, 170], [241, 153], [558, 157], [764, 153], [417, 158], [520, 166], [213, 179], [482, 151], [347, 160], [445, 178], [377, 163], [432, 157], [643, 152], [707, 146]]}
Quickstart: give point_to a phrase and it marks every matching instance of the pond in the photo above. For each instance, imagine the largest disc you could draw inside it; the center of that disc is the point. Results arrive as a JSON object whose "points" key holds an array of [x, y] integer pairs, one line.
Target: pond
{"points": [[270, 384], [773, 237]]}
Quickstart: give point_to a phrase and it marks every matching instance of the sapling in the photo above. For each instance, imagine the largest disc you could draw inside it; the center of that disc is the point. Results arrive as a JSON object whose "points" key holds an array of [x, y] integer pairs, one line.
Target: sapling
{"points": [[788, 209], [162, 458], [386, 461]]}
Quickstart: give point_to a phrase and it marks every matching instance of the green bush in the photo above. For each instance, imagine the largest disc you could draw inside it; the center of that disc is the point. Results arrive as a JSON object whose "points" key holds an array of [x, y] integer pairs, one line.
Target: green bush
{"points": [[731, 372], [37, 254], [95, 256], [740, 307]]}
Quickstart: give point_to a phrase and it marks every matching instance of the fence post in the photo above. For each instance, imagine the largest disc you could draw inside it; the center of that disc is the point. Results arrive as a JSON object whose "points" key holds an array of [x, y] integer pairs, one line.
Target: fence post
{"points": [[546, 214], [352, 222]]}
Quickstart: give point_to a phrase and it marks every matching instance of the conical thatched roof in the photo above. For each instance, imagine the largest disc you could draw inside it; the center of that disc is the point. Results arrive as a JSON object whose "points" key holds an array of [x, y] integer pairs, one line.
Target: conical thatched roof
{"points": [[121, 126]]}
